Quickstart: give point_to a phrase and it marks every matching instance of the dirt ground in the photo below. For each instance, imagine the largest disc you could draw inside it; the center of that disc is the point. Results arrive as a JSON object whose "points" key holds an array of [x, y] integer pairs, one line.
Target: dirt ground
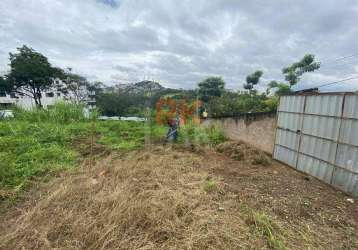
{"points": [[175, 197]]}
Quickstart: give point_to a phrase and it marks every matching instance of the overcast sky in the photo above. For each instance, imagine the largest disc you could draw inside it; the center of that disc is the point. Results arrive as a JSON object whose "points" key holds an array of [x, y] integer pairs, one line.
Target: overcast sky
{"points": [[181, 42]]}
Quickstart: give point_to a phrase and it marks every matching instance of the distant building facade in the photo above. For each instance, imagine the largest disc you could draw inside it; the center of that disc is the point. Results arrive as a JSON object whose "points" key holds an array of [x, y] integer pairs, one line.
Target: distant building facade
{"points": [[49, 98]]}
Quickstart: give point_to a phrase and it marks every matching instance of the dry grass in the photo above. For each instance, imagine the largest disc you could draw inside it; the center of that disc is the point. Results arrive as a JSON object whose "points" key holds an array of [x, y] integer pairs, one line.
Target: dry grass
{"points": [[175, 199], [241, 151], [141, 200]]}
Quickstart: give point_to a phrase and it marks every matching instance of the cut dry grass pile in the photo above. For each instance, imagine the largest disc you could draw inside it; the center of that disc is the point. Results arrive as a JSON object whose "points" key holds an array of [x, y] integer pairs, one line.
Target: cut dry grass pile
{"points": [[181, 198], [162, 199], [241, 151]]}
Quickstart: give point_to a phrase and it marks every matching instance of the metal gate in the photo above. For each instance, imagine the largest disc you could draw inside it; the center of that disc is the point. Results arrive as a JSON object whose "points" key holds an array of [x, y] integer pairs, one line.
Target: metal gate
{"points": [[318, 134]]}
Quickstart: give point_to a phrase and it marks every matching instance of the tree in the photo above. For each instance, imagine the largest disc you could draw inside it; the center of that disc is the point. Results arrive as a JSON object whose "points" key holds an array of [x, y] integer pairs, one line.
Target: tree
{"points": [[231, 104], [293, 73], [306, 64], [96, 87], [74, 86], [30, 74], [252, 80], [281, 88], [118, 103], [211, 87]]}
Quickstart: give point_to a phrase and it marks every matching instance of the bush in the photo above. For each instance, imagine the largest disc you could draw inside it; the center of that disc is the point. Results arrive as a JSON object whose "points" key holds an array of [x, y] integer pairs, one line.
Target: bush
{"points": [[197, 134], [61, 112], [232, 104]]}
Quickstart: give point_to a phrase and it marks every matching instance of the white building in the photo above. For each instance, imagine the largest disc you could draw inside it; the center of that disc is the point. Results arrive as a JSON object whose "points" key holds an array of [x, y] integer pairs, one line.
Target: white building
{"points": [[48, 99]]}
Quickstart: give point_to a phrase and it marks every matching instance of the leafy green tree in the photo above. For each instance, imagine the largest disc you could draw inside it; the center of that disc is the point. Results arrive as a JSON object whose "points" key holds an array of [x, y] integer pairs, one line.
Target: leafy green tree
{"points": [[252, 80], [296, 70], [211, 87], [281, 88], [231, 104], [293, 73], [271, 103], [121, 104], [30, 74]]}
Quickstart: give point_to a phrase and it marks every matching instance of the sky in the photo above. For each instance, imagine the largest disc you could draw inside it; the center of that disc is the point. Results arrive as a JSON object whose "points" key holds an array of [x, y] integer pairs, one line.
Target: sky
{"points": [[180, 43]]}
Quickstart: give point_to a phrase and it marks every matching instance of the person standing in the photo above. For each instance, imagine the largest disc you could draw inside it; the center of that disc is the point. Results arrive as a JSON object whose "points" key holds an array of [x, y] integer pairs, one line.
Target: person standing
{"points": [[172, 134]]}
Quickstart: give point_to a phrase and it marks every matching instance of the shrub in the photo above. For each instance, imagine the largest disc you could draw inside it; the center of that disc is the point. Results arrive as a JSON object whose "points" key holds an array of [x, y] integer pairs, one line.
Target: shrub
{"points": [[198, 134], [61, 112]]}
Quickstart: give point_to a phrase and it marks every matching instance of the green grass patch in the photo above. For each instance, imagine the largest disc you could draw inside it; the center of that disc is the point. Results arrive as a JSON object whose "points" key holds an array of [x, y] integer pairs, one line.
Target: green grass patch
{"points": [[264, 225], [210, 186], [34, 149], [29, 148], [38, 142], [60, 113], [201, 135], [128, 135]]}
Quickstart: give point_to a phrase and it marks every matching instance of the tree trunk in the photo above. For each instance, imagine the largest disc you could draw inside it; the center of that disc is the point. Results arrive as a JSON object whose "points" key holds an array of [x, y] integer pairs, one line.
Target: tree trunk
{"points": [[37, 98], [40, 104]]}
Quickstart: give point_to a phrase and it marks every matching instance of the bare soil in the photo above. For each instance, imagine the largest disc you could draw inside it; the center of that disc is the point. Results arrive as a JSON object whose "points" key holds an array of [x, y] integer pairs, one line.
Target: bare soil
{"points": [[175, 197]]}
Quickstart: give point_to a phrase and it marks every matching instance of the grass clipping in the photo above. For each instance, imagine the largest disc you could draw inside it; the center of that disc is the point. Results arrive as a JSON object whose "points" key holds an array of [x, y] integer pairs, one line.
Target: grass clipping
{"points": [[241, 151], [143, 200]]}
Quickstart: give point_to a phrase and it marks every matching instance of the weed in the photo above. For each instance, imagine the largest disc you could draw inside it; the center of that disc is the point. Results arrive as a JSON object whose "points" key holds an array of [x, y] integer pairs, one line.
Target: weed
{"points": [[210, 186], [195, 134], [60, 113], [268, 229], [265, 226]]}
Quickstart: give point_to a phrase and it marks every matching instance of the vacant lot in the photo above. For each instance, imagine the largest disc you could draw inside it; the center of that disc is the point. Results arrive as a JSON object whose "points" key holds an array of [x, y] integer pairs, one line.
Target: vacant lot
{"points": [[182, 197]]}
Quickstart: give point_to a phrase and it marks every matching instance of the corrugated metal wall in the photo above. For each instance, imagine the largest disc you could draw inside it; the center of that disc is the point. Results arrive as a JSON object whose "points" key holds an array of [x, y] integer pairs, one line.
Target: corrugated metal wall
{"points": [[318, 134]]}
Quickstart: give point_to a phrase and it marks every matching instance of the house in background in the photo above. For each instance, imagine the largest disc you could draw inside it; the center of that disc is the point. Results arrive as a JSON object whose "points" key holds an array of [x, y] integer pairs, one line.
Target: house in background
{"points": [[6, 100], [48, 99]]}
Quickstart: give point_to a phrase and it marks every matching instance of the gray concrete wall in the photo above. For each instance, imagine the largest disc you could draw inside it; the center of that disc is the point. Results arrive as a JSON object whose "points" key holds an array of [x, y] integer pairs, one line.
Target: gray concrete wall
{"points": [[256, 129]]}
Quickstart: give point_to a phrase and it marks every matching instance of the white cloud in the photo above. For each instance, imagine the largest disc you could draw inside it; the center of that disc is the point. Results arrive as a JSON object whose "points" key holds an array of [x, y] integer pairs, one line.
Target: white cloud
{"points": [[182, 42]]}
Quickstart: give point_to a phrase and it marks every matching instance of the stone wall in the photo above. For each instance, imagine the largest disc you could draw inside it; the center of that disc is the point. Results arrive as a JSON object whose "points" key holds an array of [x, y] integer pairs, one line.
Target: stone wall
{"points": [[257, 129]]}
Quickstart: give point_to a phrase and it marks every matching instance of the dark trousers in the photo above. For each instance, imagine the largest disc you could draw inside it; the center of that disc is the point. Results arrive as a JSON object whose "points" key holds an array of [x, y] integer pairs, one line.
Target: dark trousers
{"points": [[172, 134]]}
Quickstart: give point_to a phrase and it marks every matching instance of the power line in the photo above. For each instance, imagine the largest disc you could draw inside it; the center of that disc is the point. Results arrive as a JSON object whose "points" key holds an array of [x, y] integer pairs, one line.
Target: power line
{"points": [[339, 81], [342, 61], [343, 57], [330, 66], [339, 62]]}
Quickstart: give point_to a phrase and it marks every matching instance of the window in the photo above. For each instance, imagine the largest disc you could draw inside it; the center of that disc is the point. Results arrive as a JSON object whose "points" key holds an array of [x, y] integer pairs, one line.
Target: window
{"points": [[12, 95], [58, 94], [50, 94], [5, 105], [2, 93]]}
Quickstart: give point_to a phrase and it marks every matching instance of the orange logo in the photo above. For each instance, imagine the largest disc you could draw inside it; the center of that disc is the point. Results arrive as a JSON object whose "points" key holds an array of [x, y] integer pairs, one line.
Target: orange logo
{"points": [[169, 109]]}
